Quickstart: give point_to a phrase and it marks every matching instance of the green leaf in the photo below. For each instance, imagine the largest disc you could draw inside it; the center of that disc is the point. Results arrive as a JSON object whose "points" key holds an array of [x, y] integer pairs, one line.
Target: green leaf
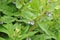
{"points": [[18, 4], [39, 37], [2, 38], [7, 19], [27, 35], [3, 29], [35, 5]]}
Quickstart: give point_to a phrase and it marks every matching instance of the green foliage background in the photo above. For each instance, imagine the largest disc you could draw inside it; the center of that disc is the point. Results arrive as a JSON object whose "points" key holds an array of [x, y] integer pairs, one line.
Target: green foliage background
{"points": [[29, 19]]}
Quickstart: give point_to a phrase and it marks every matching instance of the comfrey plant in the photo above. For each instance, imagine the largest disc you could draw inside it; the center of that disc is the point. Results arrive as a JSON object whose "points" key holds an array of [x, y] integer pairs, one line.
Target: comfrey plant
{"points": [[29, 19]]}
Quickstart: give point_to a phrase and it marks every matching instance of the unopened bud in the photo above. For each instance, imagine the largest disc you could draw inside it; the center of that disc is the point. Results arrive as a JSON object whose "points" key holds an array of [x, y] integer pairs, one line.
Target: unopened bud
{"points": [[17, 30]]}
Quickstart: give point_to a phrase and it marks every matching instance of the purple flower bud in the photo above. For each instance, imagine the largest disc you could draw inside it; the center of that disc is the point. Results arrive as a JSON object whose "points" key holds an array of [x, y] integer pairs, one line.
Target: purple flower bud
{"points": [[31, 22], [30, 0], [28, 38], [1, 22]]}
